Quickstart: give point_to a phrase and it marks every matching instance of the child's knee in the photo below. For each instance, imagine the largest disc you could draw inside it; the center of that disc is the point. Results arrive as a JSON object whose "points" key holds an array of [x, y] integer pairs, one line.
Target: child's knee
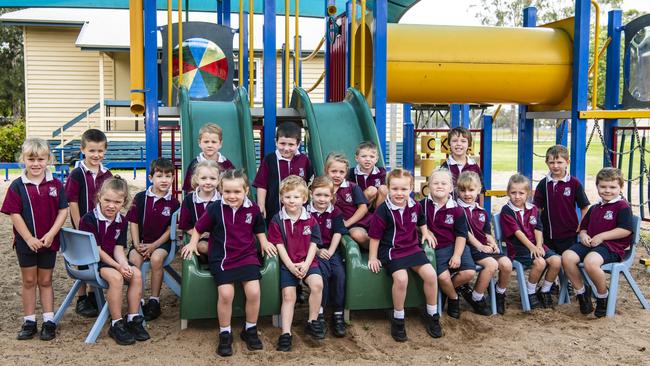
{"points": [[444, 276], [505, 264], [226, 293], [593, 262], [555, 261], [316, 284], [539, 263], [158, 258], [371, 192], [569, 257], [490, 265], [400, 279], [29, 282], [383, 190], [45, 281], [289, 295]]}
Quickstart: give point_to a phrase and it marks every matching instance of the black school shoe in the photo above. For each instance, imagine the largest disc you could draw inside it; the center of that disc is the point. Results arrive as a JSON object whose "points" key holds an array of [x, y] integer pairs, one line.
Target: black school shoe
{"points": [[483, 307], [224, 349], [136, 327], [121, 334], [253, 342], [27, 331], [533, 299], [545, 299], [338, 325], [321, 319], [601, 307], [48, 331], [432, 325], [86, 307], [315, 329], [284, 343], [453, 308], [501, 303], [584, 299], [151, 310], [398, 329]]}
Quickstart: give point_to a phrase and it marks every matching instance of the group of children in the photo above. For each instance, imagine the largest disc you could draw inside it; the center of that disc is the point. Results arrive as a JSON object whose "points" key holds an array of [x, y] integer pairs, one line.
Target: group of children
{"points": [[303, 224]]}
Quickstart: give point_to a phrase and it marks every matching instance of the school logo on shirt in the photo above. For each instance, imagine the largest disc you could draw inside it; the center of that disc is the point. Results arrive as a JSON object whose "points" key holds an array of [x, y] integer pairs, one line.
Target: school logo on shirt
{"points": [[249, 218], [532, 220], [301, 172], [167, 211], [53, 192], [348, 197], [414, 217], [567, 191], [328, 223], [481, 217], [377, 182], [609, 215], [117, 234], [449, 219], [306, 230]]}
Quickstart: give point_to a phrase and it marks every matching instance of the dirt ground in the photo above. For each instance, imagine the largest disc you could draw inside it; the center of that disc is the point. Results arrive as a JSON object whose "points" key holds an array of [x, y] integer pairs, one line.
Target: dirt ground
{"points": [[545, 337]]}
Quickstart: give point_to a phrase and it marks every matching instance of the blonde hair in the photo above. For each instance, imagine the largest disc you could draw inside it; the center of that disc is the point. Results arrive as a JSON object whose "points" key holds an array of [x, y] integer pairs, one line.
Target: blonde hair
{"points": [[205, 164], [444, 172], [322, 182], [117, 184], [294, 182], [234, 174], [610, 174], [212, 128], [399, 173], [519, 179], [35, 147], [466, 180], [335, 157]]}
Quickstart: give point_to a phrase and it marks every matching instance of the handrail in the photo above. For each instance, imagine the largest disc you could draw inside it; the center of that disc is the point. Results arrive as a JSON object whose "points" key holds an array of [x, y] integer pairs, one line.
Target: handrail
{"points": [[311, 89], [169, 52], [600, 54], [594, 89], [353, 25], [315, 52], [76, 120]]}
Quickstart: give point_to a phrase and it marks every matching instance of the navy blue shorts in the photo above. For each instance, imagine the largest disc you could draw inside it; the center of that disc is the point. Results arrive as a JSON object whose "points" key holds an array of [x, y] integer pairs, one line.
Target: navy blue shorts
{"points": [[250, 272], [478, 255], [522, 255], [44, 259], [560, 245], [415, 259], [287, 279], [607, 255], [166, 246], [443, 256]]}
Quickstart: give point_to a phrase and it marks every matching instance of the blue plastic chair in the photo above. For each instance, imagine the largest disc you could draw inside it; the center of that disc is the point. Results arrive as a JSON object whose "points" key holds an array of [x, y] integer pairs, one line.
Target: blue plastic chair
{"points": [[616, 269], [79, 248], [170, 276]]}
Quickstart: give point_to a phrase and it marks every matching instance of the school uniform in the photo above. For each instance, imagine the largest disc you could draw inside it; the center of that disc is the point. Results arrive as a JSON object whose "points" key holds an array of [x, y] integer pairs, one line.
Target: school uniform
{"points": [[396, 229], [376, 178], [447, 223], [297, 237], [232, 249], [83, 185], [153, 215], [330, 222], [602, 217], [222, 161], [558, 200], [108, 233], [273, 169], [38, 203], [455, 168], [527, 220], [348, 198], [478, 223], [193, 207]]}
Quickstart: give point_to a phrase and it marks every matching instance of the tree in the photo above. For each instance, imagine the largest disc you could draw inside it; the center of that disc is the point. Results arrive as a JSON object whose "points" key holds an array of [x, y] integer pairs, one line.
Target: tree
{"points": [[12, 77]]}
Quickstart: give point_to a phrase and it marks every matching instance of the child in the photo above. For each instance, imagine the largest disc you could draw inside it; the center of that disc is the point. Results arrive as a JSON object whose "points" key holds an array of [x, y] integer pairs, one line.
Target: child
{"points": [[109, 227], [522, 231], [205, 181], [150, 219], [367, 175], [330, 261], [38, 208], [556, 196], [483, 247], [210, 142], [349, 199], [296, 234], [276, 166], [446, 221], [460, 139], [605, 233], [233, 222], [394, 244], [81, 190]]}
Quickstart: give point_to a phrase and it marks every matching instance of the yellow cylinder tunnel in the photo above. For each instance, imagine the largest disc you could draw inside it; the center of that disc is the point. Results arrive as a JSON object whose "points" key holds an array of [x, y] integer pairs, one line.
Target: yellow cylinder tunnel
{"points": [[461, 64]]}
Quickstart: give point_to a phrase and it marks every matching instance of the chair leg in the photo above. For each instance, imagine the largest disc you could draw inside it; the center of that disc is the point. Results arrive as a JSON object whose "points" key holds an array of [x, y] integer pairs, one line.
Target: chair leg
{"points": [[636, 289], [523, 290], [613, 294], [493, 296], [588, 281], [441, 302], [346, 315], [99, 324], [172, 284], [183, 324], [67, 301], [277, 322], [144, 270], [564, 289]]}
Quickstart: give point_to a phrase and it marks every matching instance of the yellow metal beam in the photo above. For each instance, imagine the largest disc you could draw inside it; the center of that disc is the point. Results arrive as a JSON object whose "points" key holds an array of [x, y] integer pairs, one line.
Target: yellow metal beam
{"points": [[615, 114], [496, 193]]}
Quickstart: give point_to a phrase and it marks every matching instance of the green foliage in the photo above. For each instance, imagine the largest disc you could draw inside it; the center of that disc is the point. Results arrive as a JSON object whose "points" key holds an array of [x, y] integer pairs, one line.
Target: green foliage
{"points": [[12, 77], [12, 137]]}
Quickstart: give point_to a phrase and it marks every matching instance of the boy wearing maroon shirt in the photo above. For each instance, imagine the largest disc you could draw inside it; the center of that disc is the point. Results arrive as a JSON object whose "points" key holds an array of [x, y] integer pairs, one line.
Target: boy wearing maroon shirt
{"points": [[210, 142], [370, 178], [460, 139], [556, 196], [605, 233], [150, 220]]}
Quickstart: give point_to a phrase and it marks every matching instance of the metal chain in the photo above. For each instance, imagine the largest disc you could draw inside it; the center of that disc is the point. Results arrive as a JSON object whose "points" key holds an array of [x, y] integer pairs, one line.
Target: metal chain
{"points": [[645, 244], [644, 168]]}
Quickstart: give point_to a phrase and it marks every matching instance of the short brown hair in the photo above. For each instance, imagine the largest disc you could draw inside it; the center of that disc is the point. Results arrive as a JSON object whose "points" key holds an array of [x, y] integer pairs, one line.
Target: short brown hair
{"points": [[212, 128], [289, 130], [162, 165], [399, 173], [367, 145], [466, 179], [294, 182], [610, 174], [93, 135], [322, 182], [460, 131], [557, 151]]}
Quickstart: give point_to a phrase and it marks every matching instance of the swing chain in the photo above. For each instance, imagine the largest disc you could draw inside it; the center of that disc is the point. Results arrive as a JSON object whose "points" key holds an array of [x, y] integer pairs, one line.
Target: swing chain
{"points": [[645, 244]]}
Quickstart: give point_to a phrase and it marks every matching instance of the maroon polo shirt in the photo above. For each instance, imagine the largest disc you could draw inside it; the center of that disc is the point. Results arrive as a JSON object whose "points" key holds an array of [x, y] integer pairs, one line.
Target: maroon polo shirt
{"points": [[527, 220], [232, 233], [38, 205], [348, 198], [152, 214], [298, 165], [446, 223], [375, 179], [192, 209], [602, 217], [330, 222], [478, 221], [455, 169], [222, 161], [557, 200], [108, 234], [296, 236], [396, 229], [82, 186]]}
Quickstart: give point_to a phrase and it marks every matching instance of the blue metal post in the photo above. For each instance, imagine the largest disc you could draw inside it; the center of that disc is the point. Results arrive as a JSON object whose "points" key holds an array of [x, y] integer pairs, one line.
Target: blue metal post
{"points": [[580, 84], [150, 82], [225, 11], [454, 112], [562, 133], [525, 139], [408, 147], [269, 76], [612, 78], [243, 27], [380, 11], [464, 115], [486, 159], [220, 11]]}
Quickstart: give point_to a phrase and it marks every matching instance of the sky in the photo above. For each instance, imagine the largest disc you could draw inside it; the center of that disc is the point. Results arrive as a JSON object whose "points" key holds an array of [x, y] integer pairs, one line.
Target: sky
{"points": [[459, 12]]}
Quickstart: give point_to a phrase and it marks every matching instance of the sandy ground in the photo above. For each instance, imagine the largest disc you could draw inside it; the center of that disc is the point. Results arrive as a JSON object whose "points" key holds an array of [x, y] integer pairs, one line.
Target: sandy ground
{"points": [[545, 337]]}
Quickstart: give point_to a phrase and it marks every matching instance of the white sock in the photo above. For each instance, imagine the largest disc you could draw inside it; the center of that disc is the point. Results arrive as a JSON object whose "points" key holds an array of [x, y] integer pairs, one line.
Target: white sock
{"points": [[115, 321], [155, 298], [432, 309], [31, 318], [532, 287], [338, 313], [225, 329], [48, 317], [130, 317], [320, 311], [476, 296], [546, 287], [250, 325], [398, 314], [501, 290], [580, 291], [602, 296]]}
